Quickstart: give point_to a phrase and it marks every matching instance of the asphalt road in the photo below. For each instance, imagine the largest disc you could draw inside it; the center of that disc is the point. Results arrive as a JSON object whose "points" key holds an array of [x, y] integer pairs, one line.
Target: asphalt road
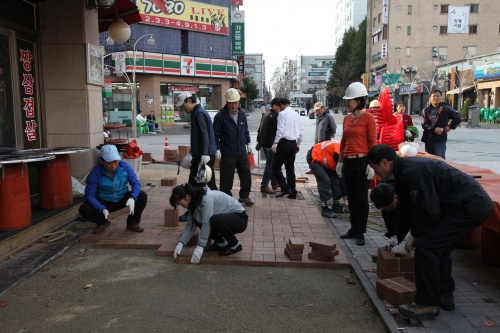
{"points": [[137, 291]]}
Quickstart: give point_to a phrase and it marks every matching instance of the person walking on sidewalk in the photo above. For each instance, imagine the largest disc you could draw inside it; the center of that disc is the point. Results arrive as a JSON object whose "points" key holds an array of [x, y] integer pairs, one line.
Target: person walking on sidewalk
{"points": [[444, 205], [265, 139], [437, 120], [107, 191], [286, 145], [218, 215], [202, 140], [359, 135], [325, 126], [232, 141]]}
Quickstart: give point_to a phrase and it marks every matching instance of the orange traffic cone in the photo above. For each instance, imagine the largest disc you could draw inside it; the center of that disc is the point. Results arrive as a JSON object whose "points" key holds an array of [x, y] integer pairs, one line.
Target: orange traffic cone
{"points": [[251, 161], [166, 147]]}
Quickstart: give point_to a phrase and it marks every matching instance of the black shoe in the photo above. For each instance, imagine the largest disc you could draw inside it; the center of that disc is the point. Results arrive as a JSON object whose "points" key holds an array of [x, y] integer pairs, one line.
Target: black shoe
{"points": [[227, 251], [338, 209], [374, 257], [348, 234], [212, 248], [360, 240], [327, 212], [184, 217], [447, 302], [414, 310], [293, 195], [282, 194]]}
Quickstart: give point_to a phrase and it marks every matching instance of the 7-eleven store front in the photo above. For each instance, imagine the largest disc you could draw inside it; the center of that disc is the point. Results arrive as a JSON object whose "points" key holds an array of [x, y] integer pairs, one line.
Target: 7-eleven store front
{"points": [[160, 78]]}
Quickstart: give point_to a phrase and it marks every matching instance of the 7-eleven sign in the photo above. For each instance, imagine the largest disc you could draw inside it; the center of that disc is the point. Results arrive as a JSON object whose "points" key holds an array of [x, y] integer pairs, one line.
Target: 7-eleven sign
{"points": [[187, 66]]}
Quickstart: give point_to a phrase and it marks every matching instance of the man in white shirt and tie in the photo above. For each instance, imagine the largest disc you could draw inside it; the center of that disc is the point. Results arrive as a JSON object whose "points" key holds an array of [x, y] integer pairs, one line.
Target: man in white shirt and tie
{"points": [[286, 145]]}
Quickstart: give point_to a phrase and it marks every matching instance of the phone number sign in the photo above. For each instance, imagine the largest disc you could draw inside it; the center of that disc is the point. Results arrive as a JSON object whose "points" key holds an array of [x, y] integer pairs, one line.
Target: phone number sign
{"points": [[187, 15]]}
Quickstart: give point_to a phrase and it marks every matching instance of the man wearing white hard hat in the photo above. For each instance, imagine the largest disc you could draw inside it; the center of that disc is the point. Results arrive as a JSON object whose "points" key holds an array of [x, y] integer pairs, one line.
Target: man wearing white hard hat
{"points": [[107, 191], [232, 141], [202, 140], [444, 205]]}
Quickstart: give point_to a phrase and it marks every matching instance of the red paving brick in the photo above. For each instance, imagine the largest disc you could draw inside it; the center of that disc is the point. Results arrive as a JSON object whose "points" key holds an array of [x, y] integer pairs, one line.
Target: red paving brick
{"points": [[271, 223]]}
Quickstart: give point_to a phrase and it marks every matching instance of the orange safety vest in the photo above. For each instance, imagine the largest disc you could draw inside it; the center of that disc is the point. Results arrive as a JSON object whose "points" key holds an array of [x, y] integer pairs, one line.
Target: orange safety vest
{"points": [[323, 153]]}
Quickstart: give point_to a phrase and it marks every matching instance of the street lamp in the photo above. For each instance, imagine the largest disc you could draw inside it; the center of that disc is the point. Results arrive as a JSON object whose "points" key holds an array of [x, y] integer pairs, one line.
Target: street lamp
{"points": [[151, 42], [465, 57]]}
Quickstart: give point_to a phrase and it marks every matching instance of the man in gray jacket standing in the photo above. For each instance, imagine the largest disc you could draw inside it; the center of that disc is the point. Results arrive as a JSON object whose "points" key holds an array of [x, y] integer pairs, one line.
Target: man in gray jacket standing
{"points": [[325, 124]]}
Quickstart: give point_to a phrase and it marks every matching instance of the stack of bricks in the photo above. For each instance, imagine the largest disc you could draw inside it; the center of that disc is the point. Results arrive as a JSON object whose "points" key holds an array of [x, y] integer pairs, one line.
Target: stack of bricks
{"points": [[169, 181], [171, 218], [170, 155], [322, 251], [396, 291], [146, 158], [294, 249], [389, 266], [183, 150]]}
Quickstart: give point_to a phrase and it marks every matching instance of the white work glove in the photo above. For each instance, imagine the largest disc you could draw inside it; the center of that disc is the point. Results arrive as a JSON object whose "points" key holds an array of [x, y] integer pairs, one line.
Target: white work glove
{"points": [[204, 159], [178, 249], [369, 172], [197, 253], [105, 212], [273, 148], [399, 249], [131, 204], [408, 134], [410, 242], [339, 169], [218, 155], [249, 149], [391, 242]]}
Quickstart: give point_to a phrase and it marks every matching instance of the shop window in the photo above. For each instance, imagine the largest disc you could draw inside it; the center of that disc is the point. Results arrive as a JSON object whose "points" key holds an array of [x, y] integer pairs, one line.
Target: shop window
{"points": [[374, 21], [444, 9], [7, 133], [472, 29], [443, 30], [379, 17], [408, 51], [408, 30]]}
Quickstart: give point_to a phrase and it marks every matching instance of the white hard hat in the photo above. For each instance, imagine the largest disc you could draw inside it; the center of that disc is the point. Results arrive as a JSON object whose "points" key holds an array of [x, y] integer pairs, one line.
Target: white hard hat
{"points": [[375, 104], [232, 95], [355, 90], [204, 174], [409, 148], [186, 161]]}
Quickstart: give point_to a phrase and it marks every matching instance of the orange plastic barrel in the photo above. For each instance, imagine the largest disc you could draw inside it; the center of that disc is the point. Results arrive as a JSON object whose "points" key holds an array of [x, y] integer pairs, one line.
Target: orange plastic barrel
{"points": [[54, 180], [15, 209]]}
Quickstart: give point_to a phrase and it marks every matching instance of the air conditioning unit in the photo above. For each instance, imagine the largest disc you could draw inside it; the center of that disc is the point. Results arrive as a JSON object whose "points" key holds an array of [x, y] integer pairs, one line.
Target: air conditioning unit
{"points": [[434, 49], [435, 54], [443, 57]]}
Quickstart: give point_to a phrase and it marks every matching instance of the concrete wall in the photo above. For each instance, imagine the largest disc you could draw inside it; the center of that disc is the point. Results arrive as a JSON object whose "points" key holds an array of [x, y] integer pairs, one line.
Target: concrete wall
{"points": [[72, 110]]}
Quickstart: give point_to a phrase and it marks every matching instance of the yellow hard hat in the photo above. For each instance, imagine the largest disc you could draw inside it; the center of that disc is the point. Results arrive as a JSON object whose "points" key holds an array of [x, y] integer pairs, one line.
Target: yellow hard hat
{"points": [[232, 95], [375, 104]]}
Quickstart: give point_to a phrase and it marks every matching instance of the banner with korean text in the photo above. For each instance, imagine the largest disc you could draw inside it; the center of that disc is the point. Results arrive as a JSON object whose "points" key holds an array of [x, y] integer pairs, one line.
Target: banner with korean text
{"points": [[238, 32], [458, 20]]}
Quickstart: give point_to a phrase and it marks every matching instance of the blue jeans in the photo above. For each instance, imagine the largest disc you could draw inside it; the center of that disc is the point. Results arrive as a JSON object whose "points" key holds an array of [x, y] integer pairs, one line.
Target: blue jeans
{"points": [[268, 172], [151, 127], [436, 148]]}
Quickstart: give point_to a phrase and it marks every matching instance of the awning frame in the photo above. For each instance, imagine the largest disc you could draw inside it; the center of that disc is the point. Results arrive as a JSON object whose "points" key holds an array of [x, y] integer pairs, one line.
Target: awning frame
{"points": [[457, 90]]}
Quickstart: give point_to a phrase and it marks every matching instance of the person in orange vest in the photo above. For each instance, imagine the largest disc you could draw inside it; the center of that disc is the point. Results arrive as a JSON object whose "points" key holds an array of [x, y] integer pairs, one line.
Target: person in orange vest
{"points": [[321, 159]]}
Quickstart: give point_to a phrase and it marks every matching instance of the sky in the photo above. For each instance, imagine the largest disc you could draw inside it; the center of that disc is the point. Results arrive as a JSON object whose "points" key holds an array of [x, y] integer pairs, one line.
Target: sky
{"points": [[291, 28]]}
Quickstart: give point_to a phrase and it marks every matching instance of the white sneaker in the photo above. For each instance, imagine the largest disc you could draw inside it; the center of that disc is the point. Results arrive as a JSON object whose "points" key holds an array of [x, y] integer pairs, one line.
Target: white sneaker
{"points": [[153, 133]]}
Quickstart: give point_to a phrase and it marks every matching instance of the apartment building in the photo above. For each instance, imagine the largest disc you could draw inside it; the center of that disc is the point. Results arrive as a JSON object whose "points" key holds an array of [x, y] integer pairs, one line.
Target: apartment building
{"points": [[349, 13], [254, 71], [414, 37]]}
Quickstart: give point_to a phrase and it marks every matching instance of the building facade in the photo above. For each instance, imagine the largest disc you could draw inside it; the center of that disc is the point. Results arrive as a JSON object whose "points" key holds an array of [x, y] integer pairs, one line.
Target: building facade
{"points": [[254, 71], [349, 13], [406, 41], [314, 71]]}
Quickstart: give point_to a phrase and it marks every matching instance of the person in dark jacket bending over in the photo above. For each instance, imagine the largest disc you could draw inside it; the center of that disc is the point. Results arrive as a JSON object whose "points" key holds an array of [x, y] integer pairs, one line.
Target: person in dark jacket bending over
{"points": [[202, 140], [436, 124], [444, 205], [107, 191], [232, 141]]}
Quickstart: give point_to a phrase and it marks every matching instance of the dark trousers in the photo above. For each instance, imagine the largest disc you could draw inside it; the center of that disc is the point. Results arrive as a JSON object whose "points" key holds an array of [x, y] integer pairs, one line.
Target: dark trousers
{"points": [[285, 154], [268, 171], [396, 224], [328, 182], [227, 167], [434, 247], [89, 213], [357, 191], [224, 226], [193, 170]]}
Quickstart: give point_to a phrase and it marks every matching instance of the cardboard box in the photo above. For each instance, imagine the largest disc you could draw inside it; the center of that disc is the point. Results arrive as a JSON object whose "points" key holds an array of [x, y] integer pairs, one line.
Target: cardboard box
{"points": [[146, 157], [320, 257], [396, 291], [169, 181], [294, 251], [171, 217], [388, 275], [292, 256], [324, 253], [296, 243], [390, 263], [323, 245]]}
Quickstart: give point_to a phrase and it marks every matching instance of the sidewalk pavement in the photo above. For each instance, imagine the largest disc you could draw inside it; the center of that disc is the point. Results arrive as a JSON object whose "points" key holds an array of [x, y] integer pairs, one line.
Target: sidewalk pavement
{"points": [[477, 293]]}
